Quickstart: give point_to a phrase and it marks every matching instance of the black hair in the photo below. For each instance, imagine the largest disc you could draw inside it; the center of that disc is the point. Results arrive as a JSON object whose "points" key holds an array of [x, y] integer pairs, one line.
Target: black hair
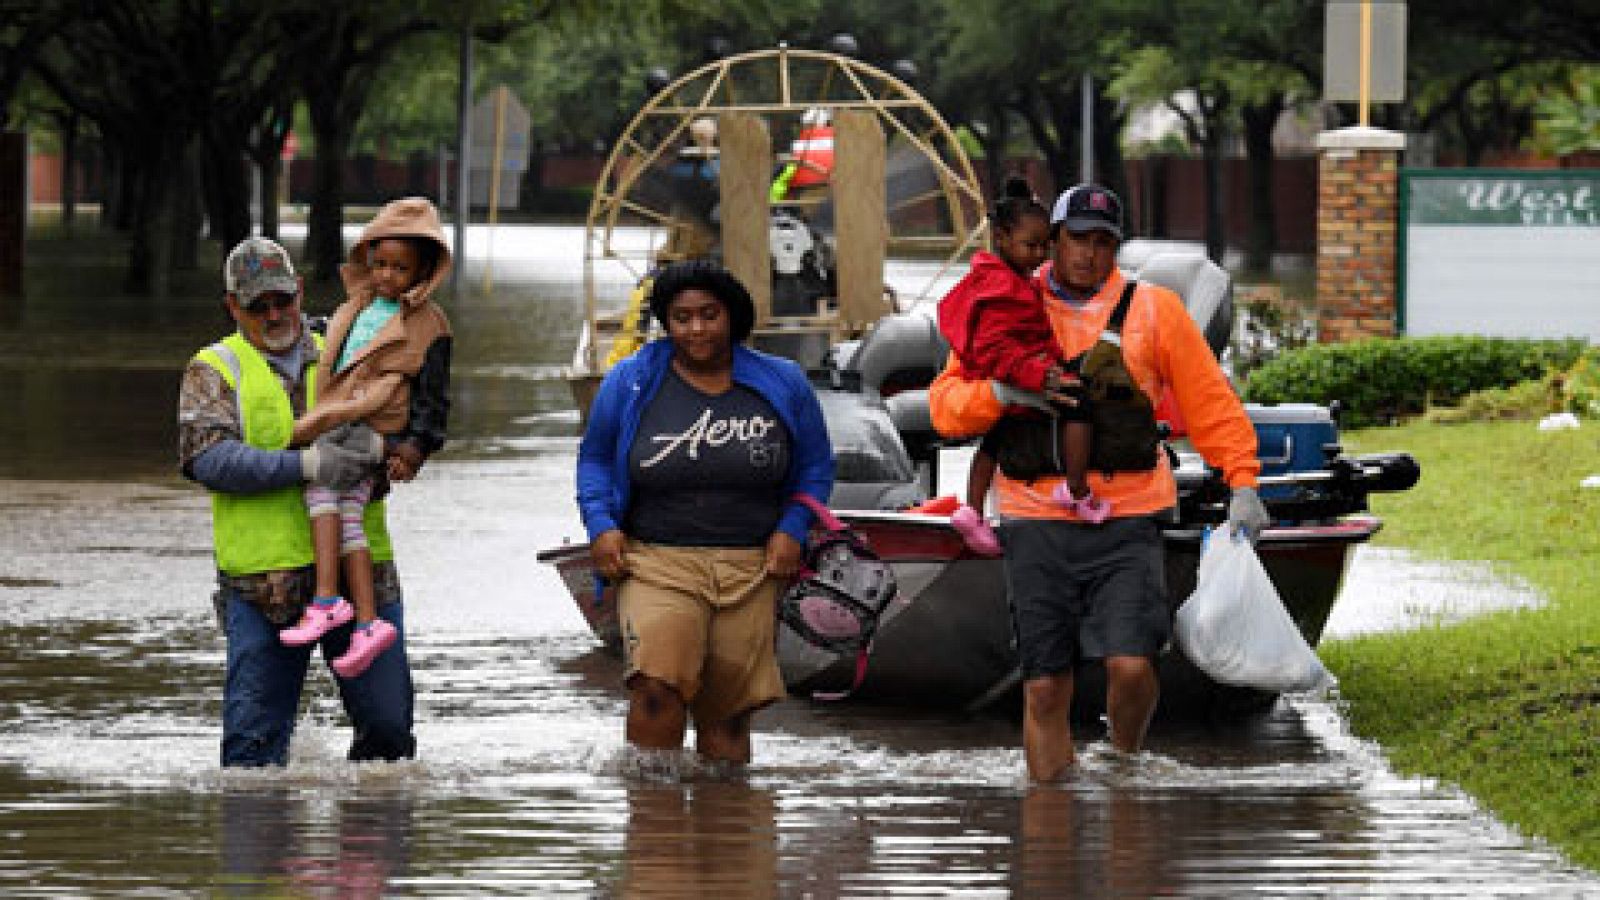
{"points": [[705, 275], [1015, 204]]}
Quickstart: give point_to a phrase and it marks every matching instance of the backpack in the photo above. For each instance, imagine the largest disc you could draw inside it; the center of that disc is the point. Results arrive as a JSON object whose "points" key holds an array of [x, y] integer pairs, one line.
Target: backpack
{"points": [[1125, 436], [842, 589]]}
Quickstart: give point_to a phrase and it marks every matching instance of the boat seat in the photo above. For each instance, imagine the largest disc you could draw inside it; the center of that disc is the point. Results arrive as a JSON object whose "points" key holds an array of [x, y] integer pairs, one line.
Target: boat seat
{"points": [[1205, 288], [1135, 251], [909, 412], [904, 351]]}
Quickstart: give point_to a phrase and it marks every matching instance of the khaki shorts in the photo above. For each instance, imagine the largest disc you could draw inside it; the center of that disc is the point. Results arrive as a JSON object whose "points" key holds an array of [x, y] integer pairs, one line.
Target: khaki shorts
{"points": [[703, 620]]}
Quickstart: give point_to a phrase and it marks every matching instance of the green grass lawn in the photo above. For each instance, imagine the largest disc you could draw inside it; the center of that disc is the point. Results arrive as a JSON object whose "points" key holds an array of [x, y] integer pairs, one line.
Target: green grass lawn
{"points": [[1506, 705]]}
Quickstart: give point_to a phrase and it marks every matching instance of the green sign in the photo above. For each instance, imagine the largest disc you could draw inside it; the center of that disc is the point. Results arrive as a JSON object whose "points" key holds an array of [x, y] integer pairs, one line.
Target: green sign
{"points": [[1530, 199]]}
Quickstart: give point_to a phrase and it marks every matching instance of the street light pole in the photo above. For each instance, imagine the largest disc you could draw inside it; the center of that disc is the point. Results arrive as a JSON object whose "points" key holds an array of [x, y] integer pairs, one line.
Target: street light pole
{"points": [[1086, 171]]}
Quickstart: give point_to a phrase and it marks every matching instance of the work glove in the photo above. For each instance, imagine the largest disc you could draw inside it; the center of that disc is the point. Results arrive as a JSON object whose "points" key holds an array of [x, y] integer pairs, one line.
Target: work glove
{"points": [[360, 438], [1015, 396], [331, 464], [1247, 514]]}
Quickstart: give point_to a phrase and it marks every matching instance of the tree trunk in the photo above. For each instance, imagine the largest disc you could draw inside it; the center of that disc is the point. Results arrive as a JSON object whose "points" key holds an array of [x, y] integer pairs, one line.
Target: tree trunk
{"points": [[270, 171], [1261, 241], [122, 187], [151, 215], [188, 209], [228, 194], [1159, 168], [1216, 234], [69, 169], [994, 149], [324, 241], [1110, 168], [1051, 135]]}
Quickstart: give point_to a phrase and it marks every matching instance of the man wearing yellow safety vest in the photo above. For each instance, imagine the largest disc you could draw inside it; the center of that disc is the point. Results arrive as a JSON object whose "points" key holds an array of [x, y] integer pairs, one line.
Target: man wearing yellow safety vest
{"points": [[236, 407]]}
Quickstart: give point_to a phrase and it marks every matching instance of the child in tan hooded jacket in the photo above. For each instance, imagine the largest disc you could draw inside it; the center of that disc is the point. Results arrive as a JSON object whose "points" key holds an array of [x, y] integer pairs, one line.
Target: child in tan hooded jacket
{"points": [[385, 335]]}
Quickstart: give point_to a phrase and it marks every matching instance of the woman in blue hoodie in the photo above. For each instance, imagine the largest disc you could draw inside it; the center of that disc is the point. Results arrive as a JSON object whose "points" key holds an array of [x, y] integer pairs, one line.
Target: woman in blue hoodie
{"points": [[695, 449]]}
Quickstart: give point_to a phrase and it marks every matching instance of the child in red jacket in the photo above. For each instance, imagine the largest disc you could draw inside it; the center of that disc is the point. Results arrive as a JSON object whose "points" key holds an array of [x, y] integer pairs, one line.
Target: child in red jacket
{"points": [[996, 325]]}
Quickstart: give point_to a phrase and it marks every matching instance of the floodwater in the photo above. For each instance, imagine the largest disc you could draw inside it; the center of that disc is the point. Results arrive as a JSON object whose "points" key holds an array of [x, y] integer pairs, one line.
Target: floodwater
{"points": [[110, 669]]}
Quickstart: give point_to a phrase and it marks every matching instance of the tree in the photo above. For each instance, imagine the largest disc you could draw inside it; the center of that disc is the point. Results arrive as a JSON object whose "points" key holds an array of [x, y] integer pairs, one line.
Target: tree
{"points": [[25, 28], [1569, 119], [348, 46], [1279, 45], [131, 68], [1199, 90], [357, 45], [1033, 61], [176, 89]]}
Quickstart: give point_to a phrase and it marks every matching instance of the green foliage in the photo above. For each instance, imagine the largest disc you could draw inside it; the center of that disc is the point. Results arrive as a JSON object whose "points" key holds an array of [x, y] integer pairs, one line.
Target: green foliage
{"points": [[1576, 390], [1526, 400], [1380, 380], [1580, 385], [1568, 121]]}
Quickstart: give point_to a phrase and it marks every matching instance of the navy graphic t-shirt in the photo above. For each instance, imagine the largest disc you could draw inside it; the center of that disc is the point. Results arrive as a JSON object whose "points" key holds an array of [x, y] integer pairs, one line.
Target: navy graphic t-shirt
{"points": [[708, 471]]}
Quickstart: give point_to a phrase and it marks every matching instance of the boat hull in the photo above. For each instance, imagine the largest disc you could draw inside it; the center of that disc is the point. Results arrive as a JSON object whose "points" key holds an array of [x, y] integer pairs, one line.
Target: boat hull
{"points": [[945, 641]]}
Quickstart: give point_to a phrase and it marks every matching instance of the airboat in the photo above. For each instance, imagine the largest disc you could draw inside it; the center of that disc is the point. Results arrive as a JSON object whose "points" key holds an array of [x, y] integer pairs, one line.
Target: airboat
{"points": [[846, 253], [802, 171]]}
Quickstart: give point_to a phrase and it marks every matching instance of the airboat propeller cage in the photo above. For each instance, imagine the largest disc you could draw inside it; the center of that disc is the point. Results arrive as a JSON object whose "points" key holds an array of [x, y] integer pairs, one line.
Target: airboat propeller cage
{"points": [[760, 101]]}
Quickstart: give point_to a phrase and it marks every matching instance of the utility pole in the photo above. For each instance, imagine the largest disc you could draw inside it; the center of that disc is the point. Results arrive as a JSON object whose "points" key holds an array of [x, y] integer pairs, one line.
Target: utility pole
{"points": [[1086, 155]]}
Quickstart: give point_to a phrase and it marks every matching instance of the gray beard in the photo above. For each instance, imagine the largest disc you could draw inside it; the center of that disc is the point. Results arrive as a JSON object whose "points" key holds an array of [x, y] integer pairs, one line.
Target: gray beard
{"points": [[281, 344]]}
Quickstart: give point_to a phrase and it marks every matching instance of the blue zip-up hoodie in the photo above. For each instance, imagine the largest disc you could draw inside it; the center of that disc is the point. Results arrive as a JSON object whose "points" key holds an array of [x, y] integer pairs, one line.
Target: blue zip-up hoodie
{"points": [[604, 484]]}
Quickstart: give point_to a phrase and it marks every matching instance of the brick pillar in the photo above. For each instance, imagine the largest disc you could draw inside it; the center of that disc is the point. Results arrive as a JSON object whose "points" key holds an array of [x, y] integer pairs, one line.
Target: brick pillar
{"points": [[1357, 211]]}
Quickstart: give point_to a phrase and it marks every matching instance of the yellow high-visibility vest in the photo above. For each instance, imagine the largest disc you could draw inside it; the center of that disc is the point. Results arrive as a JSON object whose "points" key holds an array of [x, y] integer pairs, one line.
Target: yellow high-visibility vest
{"points": [[269, 531]]}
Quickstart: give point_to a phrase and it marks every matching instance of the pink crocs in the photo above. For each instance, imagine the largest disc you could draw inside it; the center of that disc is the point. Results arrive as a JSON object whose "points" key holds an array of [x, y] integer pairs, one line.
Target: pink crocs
{"points": [[1092, 509], [366, 642], [975, 531], [1089, 508], [316, 621]]}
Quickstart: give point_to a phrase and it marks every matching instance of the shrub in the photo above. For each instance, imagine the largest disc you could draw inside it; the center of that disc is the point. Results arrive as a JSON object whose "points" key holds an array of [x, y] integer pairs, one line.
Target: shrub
{"points": [[1380, 380], [1526, 400], [1580, 386]]}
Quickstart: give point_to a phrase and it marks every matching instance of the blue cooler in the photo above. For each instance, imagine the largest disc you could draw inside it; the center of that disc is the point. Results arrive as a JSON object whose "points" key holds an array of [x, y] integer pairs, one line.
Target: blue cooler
{"points": [[1290, 437]]}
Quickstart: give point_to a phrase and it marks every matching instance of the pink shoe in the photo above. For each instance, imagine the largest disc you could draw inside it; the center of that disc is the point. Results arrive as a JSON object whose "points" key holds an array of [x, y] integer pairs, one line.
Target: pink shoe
{"points": [[975, 531], [366, 642], [317, 621], [1092, 509], [1089, 508], [1061, 495]]}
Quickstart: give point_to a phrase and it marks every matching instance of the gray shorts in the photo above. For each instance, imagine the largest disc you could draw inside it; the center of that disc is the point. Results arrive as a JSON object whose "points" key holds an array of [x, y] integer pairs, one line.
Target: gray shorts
{"points": [[1085, 591]]}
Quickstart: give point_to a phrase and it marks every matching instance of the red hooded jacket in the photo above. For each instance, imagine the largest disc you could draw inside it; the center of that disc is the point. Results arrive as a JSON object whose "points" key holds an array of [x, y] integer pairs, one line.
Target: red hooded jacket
{"points": [[996, 325]]}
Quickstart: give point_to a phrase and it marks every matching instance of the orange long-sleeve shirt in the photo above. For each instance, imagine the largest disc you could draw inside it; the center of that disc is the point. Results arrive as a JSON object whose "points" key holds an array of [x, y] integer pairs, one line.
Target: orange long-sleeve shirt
{"points": [[1164, 351]]}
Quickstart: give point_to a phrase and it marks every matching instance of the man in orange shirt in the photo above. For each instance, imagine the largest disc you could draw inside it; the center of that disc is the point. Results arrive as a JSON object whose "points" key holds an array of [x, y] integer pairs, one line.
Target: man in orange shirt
{"points": [[1081, 591]]}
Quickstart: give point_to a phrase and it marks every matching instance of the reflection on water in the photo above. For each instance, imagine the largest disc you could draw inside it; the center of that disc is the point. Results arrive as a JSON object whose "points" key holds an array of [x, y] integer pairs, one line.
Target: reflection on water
{"points": [[110, 666]]}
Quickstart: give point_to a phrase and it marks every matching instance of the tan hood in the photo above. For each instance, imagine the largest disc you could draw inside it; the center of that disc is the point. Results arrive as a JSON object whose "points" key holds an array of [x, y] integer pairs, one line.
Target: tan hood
{"points": [[406, 217]]}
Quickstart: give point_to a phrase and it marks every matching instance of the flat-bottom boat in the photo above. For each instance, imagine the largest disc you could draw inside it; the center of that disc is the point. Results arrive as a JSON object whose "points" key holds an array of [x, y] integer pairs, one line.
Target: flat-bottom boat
{"points": [[945, 640]]}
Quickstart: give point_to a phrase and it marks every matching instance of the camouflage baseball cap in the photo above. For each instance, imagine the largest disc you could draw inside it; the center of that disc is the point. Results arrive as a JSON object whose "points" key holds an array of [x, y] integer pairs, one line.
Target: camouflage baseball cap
{"points": [[258, 266]]}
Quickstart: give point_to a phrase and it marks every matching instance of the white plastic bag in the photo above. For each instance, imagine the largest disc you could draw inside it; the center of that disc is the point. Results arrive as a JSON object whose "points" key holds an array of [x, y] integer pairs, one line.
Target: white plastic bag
{"points": [[1235, 629]]}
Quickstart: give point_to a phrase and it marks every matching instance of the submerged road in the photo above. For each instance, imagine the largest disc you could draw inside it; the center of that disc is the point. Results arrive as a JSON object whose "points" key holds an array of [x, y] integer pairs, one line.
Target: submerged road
{"points": [[110, 667]]}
